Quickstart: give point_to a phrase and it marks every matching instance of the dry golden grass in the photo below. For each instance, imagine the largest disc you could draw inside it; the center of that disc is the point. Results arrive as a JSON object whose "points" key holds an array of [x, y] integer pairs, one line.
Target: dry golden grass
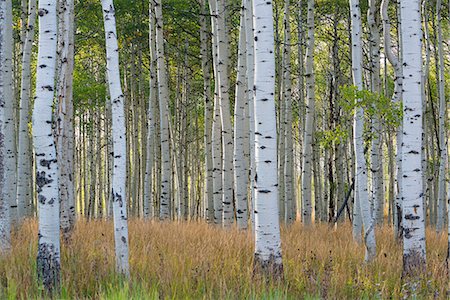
{"points": [[198, 261]]}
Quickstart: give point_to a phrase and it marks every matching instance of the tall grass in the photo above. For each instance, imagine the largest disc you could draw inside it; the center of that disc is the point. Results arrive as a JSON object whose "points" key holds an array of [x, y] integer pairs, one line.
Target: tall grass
{"points": [[199, 261]]}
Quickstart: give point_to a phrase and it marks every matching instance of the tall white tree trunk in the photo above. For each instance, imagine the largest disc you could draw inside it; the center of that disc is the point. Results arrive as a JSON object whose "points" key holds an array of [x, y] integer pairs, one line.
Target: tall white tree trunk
{"points": [[251, 107], [9, 189], [224, 100], [267, 227], [118, 187], [148, 205], [241, 138], [377, 140], [48, 258], [309, 122], [288, 172], [65, 133], [5, 220], [24, 177], [163, 93], [414, 254], [205, 49], [396, 98], [441, 207], [358, 128]]}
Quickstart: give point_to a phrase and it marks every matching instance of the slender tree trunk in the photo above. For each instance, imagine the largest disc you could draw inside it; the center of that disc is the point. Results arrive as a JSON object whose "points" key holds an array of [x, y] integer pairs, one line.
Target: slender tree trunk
{"points": [[358, 139], [148, 204], [48, 258], [65, 136], [5, 220], [267, 229], [24, 177], [163, 93], [224, 101], [205, 48], [413, 219], [443, 154], [241, 140], [310, 111], [377, 141], [288, 172], [9, 189], [118, 190]]}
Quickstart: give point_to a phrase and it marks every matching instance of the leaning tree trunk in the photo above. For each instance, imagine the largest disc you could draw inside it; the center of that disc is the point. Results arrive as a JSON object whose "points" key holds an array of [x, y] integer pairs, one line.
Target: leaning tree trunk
{"points": [[414, 254], [24, 178], [309, 122], [5, 220], [241, 164], [358, 139], [118, 188], [65, 133], [48, 258], [267, 228]]}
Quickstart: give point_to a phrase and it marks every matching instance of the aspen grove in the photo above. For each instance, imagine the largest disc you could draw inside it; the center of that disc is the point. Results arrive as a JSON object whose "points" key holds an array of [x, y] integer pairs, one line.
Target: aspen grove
{"points": [[224, 149]]}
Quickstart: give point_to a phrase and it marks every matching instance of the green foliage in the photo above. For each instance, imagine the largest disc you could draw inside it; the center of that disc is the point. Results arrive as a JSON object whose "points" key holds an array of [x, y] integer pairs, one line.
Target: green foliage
{"points": [[374, 105]]}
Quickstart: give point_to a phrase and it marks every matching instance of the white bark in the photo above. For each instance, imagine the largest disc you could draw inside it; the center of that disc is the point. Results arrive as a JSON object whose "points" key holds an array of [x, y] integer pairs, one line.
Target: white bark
{"points": [[441, 203], [414, 254], [267, 227], [377, 141], [288, 172], [118, 188], [358, 127], [396, 98], [241, 138], [206, 68], [5, 220], [9, 189], [24, 177], [163, 93], [65, 133], [48, 259], [224, 101], [251, 107], [148, 205], [216, 126], [309, 122]]}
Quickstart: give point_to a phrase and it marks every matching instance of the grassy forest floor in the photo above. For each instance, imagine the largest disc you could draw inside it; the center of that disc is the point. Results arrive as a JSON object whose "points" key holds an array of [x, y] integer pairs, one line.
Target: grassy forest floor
{"points": [[198, 261]]}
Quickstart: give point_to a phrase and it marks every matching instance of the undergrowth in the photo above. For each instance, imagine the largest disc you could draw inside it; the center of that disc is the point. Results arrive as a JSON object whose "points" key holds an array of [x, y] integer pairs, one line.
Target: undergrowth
{"points": [[199, 261]]}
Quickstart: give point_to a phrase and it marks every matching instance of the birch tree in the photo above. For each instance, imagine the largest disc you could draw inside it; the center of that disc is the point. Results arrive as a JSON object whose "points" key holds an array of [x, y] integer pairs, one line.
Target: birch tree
{"points": [[65, 132], [9, 189], [358, 139], [206, 68], [48, 258], [267, 229], [5, 220], [163, 93], [224, 101], [241, 138], [118, 188], [441, 203], [414, 254], [24, 152], [309, 122]]}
